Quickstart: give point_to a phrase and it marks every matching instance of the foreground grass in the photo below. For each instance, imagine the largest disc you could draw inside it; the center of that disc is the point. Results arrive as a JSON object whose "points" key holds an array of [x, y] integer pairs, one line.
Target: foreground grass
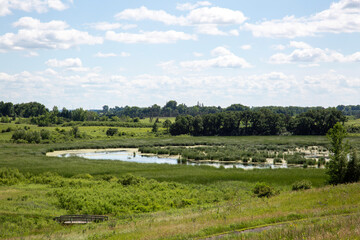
{"points": [[324, 207]]}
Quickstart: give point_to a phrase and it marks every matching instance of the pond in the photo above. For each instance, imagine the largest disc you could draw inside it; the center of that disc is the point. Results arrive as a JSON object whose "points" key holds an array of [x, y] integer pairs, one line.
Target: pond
{"points": [[132, 155]]}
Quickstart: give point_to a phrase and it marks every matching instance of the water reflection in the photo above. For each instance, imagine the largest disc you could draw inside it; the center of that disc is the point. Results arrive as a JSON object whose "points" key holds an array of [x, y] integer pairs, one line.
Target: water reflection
{"points": [[128, 156]]}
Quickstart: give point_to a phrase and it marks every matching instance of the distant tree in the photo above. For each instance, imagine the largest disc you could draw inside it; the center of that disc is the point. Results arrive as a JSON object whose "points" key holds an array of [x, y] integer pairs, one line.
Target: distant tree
{"points": [[171, 104], [105, 109], [198, 127], [55, 111], [78, 114], [336, 169], [167, 124], [155, 128], [237, 107], [353, 168]]}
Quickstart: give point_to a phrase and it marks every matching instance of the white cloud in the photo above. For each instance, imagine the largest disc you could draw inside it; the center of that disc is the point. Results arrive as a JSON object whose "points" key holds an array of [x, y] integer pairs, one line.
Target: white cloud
{"points": [[154, 37], [69, 62], [143, 13], [223, 58], [215, 15], [204, 15], [246, 47], [6, 6], [341, 17], [105, 55], [87, 88], [34, 34], [305, 53], [105, 26], [234, 32], [205, 19], [197, 54], [302, 45], [190, 6], [209, 29]]}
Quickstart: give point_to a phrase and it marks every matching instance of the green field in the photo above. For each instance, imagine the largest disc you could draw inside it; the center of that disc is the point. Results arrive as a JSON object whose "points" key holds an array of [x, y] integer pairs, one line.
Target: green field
{"points": [[160, 201]]}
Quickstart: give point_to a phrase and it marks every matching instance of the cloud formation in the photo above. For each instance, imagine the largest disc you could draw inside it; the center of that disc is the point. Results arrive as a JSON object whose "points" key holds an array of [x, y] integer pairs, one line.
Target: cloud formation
{"points": [[155, 37], [34, 34], [341, 17], [106, 26], [222, 58], [204, 15], [205, 19], [190, 6], [305, 53], [69, 62], [39, 6]]}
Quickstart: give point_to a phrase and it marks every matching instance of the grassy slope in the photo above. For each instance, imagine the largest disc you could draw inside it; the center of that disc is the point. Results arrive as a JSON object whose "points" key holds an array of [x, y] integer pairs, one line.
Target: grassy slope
{"points": [[323, 207]]}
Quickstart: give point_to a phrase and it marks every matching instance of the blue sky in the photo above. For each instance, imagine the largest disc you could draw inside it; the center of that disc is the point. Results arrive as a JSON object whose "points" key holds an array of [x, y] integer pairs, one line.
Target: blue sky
{"points": [[78, 53]]}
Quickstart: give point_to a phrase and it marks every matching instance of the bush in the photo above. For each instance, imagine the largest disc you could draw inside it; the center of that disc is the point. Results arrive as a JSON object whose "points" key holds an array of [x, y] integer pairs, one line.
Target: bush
{"points": [[111, 131], [10, 176], [83, 176], [129, 179], [301, 185], [263, 190], [45, 134]]}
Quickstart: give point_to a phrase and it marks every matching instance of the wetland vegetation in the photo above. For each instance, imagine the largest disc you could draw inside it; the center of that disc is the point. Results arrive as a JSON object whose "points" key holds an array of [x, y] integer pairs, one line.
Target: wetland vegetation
{"points": [[162, 201]]}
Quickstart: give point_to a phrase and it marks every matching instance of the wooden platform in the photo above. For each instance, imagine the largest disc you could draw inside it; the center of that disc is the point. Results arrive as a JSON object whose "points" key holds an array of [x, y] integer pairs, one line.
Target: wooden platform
{"points": [[80, 219]]}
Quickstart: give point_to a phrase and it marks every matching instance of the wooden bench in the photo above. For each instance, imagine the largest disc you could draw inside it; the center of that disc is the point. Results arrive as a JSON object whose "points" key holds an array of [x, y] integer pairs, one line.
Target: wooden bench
{"points": [[80, 219]]}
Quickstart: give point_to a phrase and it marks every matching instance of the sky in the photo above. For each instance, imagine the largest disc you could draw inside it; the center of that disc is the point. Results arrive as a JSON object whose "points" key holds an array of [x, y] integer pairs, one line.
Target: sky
{"points": [[81, 53]]}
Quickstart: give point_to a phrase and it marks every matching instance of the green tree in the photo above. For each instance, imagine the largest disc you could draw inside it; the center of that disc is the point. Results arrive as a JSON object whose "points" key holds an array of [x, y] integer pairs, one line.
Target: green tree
{"points": [[167, 124], [336, 169], [155, 128], [353, 168]]}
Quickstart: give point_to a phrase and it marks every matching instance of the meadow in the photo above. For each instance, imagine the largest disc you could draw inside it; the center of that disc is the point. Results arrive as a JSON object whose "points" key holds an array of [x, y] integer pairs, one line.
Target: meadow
{"points": [[160, 201]]}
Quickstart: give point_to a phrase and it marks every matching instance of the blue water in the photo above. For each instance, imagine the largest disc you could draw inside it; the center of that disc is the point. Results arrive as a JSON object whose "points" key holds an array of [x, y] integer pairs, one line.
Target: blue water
{"points": [[138, 158]]}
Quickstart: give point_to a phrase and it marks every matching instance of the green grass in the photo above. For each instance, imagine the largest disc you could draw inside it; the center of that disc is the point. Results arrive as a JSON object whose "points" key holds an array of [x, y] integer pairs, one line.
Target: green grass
{"points": [[355, 122], [26, 209], [91, 132]]}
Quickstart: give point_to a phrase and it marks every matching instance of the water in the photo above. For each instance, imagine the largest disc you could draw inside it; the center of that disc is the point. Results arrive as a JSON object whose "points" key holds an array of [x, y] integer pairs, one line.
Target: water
{"points": [[129, 156]]}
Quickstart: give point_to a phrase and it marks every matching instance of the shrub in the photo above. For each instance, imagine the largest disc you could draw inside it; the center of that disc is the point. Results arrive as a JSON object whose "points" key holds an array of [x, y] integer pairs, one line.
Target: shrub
{"points": [[45, 134], [129, 179], [10, 176], [262, 189], [301, 185], [6, 130], [19, 134], [111, 131], [83, 176]]}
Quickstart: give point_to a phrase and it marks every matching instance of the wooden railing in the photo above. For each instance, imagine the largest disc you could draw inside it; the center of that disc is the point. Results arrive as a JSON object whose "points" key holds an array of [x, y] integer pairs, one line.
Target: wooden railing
{"points": [[80, 219]]}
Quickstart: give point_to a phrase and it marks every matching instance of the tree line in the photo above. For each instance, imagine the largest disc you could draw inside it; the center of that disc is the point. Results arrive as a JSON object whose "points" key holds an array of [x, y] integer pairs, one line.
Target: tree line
{"points": [[43, 116], [260, 121]]}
